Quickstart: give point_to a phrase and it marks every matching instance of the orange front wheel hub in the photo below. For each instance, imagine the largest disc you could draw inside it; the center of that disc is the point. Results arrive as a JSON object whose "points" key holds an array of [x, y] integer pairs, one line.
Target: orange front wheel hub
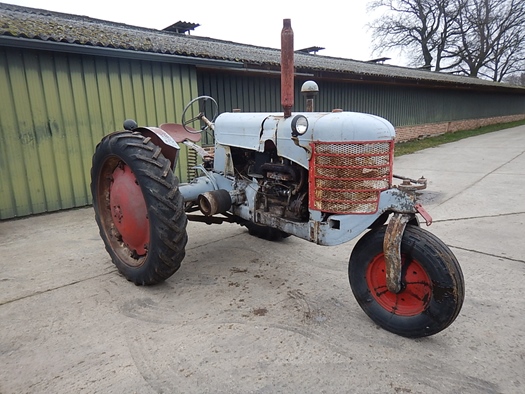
{"points": [[416, 291]]}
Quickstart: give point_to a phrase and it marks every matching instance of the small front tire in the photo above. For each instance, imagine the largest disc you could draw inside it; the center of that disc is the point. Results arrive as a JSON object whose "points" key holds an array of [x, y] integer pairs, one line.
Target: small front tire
{"points": [[432, 291]]}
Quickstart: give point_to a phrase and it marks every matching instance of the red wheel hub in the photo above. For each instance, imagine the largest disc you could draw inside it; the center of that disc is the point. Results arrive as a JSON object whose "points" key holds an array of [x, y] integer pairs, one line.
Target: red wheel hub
{"points": [[413, 297], [128, 210]]}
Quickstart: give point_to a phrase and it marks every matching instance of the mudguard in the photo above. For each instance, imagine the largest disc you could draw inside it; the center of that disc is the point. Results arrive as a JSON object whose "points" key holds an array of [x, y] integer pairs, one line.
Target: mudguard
{"points": [[169, 147]]}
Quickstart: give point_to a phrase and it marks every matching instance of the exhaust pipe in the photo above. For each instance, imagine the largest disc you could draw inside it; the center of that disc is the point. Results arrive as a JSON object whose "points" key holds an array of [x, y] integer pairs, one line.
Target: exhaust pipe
{"points": [[216, 201], [287, 68]]}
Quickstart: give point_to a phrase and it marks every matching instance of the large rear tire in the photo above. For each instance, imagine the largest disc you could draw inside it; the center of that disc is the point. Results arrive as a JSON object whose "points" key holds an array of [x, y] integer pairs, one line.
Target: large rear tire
{"points": [[432, 291], [138, 207]]}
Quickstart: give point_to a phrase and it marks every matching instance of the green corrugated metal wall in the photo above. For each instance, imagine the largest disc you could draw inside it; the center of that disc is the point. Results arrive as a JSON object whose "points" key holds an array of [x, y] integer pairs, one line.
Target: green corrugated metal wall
{"points": [[407, 106], [401, 105], [246, 92], [56, 108]]}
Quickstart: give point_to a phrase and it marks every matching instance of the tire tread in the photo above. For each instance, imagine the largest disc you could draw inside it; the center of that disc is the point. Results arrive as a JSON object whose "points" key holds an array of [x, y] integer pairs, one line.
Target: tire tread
{"points": [[164, 201]]}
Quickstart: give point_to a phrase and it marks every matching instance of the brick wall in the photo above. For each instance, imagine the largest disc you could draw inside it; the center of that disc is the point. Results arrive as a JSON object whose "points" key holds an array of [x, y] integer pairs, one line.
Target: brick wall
{"points": [[407, 133]]}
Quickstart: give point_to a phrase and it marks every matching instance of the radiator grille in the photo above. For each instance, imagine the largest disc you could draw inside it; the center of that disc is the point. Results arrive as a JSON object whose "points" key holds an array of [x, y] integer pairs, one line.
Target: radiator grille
{"points": [[348, 177]]}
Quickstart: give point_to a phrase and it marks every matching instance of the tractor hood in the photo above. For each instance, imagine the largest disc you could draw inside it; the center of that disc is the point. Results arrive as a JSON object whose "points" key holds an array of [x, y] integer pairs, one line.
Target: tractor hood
{"points": [[252, 130]]}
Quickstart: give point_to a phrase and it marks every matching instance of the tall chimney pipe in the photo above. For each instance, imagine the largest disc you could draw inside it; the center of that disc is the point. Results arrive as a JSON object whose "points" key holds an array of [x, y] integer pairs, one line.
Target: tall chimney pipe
{"points": [[287, 68]]}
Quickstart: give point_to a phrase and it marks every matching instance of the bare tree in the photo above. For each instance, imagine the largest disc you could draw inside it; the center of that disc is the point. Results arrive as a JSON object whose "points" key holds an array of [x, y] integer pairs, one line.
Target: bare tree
{"points": [[516, 79], [474, 37], [450, 11], [509, 58], [508, 41], [422, 28], [492, 37]]}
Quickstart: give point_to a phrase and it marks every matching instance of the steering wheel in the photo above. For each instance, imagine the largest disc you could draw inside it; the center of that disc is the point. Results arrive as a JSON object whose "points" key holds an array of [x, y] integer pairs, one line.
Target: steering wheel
{"points": [[208, 124]]}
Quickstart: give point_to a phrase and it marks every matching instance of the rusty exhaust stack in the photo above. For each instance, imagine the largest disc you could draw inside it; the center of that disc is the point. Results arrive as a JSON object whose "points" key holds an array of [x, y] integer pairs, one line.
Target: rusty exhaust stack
{"points": [[287, 68]]}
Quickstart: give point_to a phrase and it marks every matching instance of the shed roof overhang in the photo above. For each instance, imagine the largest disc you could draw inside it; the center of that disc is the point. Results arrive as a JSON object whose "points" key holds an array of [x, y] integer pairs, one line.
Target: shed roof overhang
{"points": [[19, 42]]}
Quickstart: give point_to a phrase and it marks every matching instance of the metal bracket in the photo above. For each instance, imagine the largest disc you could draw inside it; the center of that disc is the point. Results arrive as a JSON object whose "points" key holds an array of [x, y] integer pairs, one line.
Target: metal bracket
{"points": [[208, 175], [411, 185], [422, 211], [392, 250]]}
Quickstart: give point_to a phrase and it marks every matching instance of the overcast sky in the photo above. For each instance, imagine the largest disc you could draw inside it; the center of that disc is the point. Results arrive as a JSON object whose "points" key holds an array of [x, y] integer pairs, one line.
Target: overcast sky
{"points": [[341, 30]]}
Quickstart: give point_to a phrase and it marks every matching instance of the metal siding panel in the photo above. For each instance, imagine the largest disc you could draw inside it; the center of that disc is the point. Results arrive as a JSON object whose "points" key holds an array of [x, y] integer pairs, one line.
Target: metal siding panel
{"points": [[117, 92], [244, 105], [94, 102], [216, 89], [219, 92], [401, 105], [44, 142], [237, 94], [252, 98], [229, 99], [67, 76], [104, 100], [27, 180], [81, 131], [150, 102], [55, 123], [59, 106], [129, 108], [168, 98], [157, 85], [246, 92], [14, 195]]}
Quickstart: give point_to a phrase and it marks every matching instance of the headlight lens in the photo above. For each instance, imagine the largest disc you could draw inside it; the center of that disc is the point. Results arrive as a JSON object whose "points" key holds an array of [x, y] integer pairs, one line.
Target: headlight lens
{"points": [[299, 125]]}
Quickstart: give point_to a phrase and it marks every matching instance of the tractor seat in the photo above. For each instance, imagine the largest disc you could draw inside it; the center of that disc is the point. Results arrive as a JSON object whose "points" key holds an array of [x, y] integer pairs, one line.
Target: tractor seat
{"points": [[178, 133]]}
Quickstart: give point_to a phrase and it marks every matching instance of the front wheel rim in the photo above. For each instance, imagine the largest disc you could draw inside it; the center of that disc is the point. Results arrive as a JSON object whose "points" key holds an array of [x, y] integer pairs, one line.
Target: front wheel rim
{"points": [[416, 291]]}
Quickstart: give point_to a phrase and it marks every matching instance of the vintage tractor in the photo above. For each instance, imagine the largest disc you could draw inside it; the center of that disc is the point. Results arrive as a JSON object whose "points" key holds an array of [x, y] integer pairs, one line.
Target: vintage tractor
{"points": [[325, 177]]}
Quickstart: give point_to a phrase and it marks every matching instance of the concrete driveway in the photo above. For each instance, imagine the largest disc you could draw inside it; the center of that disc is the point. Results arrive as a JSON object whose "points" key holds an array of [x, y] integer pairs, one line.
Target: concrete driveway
{"points": [[246, 315]]}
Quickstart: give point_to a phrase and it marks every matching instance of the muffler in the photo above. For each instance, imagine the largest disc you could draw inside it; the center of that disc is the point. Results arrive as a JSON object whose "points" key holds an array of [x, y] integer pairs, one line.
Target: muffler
{"points": [[216, 201]]}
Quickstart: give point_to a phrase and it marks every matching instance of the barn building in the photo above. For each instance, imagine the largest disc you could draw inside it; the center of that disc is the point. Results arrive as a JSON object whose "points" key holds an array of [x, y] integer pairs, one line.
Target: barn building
{"points": [[67, 80]]}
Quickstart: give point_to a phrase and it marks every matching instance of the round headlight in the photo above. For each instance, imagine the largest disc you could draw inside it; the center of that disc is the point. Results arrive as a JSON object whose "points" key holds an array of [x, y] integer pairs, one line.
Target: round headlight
{"points": [[299, 125]]}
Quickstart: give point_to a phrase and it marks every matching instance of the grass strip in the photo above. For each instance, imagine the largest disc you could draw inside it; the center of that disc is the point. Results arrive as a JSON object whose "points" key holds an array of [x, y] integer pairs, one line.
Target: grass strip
{"points": [[405, 148]]}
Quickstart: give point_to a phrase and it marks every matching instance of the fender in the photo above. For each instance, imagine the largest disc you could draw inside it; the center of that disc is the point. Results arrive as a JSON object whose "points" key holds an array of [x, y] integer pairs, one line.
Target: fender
{"points": [[169, 147], [392, 245]]}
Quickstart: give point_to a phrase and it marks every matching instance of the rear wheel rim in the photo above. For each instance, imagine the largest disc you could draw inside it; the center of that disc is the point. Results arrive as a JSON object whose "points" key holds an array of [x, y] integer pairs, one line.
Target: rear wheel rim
{"points": [[416, 291], [129, 210], [125, 216]]}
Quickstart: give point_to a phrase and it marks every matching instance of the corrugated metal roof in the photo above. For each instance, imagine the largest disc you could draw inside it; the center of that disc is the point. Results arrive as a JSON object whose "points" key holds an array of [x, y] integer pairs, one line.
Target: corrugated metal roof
{"points": [[39, 24]]}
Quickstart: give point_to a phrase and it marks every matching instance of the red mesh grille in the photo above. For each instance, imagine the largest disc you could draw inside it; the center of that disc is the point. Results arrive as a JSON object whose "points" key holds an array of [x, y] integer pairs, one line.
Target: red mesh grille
{"points": [[348, 177]]}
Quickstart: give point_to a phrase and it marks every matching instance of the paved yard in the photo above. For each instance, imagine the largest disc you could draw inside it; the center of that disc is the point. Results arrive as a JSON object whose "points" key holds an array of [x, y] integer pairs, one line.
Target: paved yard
{"points": [[246, 315]]}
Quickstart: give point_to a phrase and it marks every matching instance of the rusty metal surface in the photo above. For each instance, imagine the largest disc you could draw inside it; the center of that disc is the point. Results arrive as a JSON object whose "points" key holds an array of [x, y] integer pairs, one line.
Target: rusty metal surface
{"points": [[170, 148], [411, 185], [287, 68], [213, 202], [392, 250], [309, 105], [422, 211], [348, 177], [179, 133]]}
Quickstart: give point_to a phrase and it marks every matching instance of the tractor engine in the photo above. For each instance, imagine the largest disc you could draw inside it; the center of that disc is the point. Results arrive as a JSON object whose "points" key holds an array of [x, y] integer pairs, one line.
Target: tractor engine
{"points": [[283, 190], [337, 163], [283, 184]]}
